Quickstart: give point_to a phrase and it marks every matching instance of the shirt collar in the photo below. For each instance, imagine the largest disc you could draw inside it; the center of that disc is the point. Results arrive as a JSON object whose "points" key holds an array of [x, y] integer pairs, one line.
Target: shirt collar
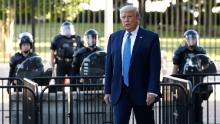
{"points": [[133, 33]]}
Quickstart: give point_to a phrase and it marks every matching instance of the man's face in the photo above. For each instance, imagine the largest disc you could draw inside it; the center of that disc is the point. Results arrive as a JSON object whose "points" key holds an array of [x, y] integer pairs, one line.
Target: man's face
{"points": [[191, 41], [129, 20], [25, 47], [91, 41]]}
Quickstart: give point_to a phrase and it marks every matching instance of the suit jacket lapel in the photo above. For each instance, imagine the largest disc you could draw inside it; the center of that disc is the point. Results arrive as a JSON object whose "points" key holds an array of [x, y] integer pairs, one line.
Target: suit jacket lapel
{"points": [[120, 40], [137, 44]]}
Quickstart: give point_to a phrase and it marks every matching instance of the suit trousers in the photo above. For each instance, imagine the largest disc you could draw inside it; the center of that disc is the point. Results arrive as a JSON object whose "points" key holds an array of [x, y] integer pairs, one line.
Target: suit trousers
{"points": [[122, 109]]}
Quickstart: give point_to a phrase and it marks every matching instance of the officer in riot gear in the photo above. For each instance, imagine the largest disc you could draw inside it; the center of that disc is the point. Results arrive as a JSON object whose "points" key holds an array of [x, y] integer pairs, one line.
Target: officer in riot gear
{"points": [[25, 40], [26, 64], [63, 47], [190, 59], [25, 43], [187, 50], [91, 38]]}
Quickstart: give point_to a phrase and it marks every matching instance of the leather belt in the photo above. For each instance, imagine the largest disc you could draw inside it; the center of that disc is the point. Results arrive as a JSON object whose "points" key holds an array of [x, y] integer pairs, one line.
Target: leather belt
{"points": [[64, 59]]}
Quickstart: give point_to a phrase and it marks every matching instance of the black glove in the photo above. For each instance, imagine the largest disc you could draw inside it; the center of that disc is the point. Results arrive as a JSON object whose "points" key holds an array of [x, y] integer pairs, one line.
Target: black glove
{"points": [[8, 89]]}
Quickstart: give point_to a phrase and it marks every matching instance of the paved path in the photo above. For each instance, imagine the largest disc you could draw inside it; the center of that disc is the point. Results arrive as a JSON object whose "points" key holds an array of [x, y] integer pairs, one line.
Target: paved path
{"points": [[4, 70]]}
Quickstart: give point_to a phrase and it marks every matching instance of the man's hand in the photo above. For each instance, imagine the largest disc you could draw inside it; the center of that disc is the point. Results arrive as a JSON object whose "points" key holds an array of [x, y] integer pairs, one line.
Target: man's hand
{"points": [[150, 99], [53, 72], [9, 89], [107, 99]]}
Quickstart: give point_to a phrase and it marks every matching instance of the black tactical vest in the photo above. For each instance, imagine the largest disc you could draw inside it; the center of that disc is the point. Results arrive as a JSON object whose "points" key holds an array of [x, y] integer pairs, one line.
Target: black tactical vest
{"points": [[67, 46]]}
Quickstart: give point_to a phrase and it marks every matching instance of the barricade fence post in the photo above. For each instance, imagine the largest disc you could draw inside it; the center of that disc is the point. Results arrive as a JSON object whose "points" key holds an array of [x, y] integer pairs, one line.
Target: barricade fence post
{"points": [[17, 102], [174, 102], [83, 102], [203, 96]]}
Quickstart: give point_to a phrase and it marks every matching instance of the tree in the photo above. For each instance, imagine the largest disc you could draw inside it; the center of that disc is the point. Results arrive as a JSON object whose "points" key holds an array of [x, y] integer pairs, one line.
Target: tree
{"points": [[59, 9], [49, 9], [7, 14], [20, 11]]}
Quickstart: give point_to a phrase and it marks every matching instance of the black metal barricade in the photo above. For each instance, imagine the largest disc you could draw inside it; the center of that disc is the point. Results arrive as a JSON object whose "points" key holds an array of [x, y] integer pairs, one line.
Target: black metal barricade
{"points": [[173, 106], [203, 96], [79, 103], [205, 109], [82, 103], [17, 102]]}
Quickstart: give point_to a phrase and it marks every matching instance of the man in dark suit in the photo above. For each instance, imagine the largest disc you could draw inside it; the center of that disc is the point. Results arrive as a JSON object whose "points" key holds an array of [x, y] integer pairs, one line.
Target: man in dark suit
{"points": [[132, 70]]}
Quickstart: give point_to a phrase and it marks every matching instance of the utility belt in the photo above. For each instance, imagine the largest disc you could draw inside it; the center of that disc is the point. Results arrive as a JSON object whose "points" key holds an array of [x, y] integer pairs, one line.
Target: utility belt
{"points": [[64, 59]]}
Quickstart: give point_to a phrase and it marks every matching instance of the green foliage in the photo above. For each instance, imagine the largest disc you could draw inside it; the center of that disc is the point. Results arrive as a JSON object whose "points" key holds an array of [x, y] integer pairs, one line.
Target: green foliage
{"points": [[59, 9], [47, 9]]}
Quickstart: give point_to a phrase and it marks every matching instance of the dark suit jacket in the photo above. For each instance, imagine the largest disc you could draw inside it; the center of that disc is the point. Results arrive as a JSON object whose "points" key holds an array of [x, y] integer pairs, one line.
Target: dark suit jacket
{"points": [[144, 72]]}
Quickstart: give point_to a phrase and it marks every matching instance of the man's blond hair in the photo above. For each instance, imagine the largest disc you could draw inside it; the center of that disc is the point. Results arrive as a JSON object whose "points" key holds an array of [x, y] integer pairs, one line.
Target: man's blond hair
{"points": [[129, 8]]}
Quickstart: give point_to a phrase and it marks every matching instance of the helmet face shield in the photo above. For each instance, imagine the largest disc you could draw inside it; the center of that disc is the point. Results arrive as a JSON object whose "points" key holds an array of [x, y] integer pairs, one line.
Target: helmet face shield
{"points": [[91, 41], [191, 38], [91, 37], [67, 29]]}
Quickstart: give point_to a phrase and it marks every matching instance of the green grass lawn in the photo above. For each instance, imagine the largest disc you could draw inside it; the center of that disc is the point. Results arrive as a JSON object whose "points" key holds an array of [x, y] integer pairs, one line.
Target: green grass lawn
{"points": [[44, 33], [167, 44]]}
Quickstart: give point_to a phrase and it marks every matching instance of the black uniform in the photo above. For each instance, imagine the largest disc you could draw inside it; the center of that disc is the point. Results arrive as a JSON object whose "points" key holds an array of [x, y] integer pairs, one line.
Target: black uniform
{"points": [[181, 56], [182, 53], [64, 48], [81, 54], [15, 61]]}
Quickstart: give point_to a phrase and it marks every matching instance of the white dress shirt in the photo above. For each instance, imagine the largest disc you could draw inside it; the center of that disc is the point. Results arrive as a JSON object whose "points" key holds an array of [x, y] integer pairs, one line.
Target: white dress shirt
{"points": [[133, 37]]}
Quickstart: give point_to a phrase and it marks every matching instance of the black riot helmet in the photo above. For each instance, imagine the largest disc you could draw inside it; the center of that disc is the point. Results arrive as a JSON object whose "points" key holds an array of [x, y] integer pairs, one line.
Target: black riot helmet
{"points": [[191, 38], [25, 37], [67, 29], [91, 37]]}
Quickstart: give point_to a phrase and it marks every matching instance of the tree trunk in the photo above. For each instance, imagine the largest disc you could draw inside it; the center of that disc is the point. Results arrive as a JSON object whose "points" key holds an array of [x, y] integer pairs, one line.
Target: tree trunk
{"points": [[7, 31]]}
